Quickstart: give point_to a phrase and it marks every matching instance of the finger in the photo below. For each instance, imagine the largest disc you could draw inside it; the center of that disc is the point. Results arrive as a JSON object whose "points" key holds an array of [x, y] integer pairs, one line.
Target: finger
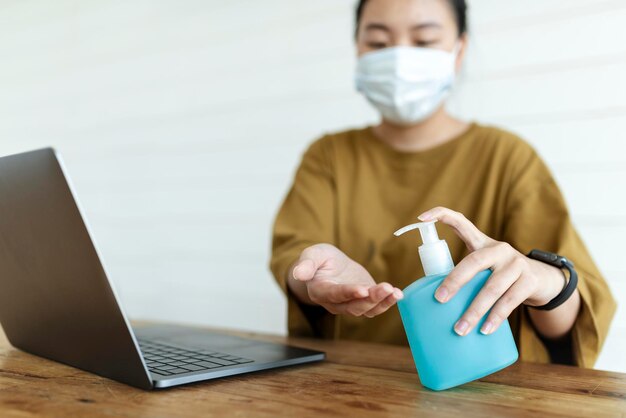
{"points": [[310, 260], [385, 304], [471, 265], [473, 237], [380, 292], [304, 270], [376, 295], [324, 291], [333, 308], [496, 286], [514, 297]]}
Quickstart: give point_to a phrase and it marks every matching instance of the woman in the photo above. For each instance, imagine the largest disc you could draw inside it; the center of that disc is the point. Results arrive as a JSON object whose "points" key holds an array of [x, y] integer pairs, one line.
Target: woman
{"points": [[333, 250]]}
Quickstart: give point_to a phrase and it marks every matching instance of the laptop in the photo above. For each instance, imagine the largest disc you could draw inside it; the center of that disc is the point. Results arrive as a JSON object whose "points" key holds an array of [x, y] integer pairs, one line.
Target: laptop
{"points": [[57, 302]]}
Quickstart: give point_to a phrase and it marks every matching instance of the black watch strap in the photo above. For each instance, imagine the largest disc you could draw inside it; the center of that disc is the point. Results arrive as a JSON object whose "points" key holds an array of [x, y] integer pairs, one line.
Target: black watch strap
{"points": [[562, 263]]}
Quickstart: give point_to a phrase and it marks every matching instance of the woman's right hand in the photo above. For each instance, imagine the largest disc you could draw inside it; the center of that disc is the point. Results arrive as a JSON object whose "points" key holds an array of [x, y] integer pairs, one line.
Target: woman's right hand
{"points": [[340, 284]]}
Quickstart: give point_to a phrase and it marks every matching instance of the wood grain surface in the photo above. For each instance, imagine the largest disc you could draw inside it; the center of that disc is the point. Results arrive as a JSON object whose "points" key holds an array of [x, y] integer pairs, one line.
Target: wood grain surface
{"points": [[357, 380]]}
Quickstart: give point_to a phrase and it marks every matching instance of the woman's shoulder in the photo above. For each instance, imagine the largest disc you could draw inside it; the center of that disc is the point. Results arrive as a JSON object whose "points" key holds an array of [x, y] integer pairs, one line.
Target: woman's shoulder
{"points": [[341, 138], [336, 145], [503, 145], [496, 136], [510, 151]]}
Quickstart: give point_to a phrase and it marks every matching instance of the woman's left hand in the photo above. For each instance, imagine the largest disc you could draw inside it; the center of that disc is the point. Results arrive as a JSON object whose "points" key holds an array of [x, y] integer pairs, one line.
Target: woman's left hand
{"points": [[516, 279]]}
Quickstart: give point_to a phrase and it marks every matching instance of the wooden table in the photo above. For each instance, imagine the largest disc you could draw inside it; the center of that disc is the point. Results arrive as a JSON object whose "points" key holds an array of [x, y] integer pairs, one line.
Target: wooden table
{"points": [[357, 380]]}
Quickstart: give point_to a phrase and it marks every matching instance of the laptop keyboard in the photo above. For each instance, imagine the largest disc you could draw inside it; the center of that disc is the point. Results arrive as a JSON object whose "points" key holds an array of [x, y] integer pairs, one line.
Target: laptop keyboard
{"points": [[167, 360]]}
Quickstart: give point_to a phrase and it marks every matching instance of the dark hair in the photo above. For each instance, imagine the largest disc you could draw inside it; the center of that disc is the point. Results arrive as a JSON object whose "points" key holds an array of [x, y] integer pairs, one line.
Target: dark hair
{"points": [[458, 6]]}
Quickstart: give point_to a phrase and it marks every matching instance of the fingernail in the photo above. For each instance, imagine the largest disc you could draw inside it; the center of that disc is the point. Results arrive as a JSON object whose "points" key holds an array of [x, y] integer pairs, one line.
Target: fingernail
{"points": [[425, 216], [295, 271], [387, 288], [362, 292], [461, 327], [486, 328], [442, 294], [398, 294]]}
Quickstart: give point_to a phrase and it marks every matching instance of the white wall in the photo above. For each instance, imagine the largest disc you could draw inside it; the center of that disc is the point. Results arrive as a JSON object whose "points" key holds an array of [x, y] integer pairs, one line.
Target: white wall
{"points": [[181, 123]]}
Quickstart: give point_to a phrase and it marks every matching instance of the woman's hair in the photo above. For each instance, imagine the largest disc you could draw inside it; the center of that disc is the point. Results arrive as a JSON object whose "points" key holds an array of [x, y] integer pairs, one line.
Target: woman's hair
{"points": [[458, 6]]}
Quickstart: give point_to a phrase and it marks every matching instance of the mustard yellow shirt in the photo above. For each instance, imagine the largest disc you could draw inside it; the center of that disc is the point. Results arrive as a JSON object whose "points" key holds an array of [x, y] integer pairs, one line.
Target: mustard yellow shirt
{"points": [[353, 191]]}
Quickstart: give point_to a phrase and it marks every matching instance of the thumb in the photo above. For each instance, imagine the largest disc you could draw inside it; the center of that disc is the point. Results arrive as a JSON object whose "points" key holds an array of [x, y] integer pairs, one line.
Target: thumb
{"points": [[310, 260], [304, 270]]}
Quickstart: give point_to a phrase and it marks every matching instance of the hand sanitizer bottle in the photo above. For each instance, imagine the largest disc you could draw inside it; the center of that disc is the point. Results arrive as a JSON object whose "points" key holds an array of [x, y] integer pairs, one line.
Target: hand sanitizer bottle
{"points": [[443, 358]]}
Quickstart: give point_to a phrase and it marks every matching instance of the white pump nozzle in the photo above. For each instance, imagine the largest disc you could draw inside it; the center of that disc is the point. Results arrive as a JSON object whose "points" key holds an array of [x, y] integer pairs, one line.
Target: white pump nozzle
{"points": [[428, 231], [434, 252]]}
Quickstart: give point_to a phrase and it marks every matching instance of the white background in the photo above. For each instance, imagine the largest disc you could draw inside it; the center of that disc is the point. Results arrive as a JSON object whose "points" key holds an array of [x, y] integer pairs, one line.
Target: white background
{"points": [[181, 123]]}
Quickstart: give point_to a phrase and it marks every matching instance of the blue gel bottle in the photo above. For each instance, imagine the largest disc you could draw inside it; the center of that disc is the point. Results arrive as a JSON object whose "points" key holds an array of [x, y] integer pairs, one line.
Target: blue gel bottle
{"points": [[443, 358]]}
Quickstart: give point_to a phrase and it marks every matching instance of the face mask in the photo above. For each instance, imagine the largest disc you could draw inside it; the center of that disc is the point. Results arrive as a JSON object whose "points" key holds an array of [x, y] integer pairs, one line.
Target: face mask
{"points": [[406, 84]]}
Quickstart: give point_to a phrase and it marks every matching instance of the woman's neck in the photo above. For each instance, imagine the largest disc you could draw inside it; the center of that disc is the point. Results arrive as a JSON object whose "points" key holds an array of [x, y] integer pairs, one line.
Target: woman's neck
{"points": [[436, 130]]}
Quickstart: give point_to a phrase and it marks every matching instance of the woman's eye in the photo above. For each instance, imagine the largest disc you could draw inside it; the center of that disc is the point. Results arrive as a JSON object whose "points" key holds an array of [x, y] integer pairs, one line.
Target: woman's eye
{"points": [[425, 44], [377, 45]]}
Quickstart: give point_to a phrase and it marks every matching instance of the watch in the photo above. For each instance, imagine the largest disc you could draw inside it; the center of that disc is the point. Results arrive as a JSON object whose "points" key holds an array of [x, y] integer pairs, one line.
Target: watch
{"points": [[562, 263]]}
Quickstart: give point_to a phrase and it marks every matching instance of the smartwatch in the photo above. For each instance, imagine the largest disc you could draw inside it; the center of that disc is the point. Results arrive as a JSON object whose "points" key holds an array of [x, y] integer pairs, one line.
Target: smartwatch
{"points": [[562, 263]]}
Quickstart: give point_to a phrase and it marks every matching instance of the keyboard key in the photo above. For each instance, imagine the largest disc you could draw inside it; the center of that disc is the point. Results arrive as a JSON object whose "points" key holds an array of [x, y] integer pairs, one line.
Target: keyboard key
{"points": [[221, 355], [196, 359], [177, 371], [208, 352], [169, 361], [156, 365], [207, 365], [222, 362], [233, 358], [177, 363], [192, 367], [166, 368], [161, 372]]}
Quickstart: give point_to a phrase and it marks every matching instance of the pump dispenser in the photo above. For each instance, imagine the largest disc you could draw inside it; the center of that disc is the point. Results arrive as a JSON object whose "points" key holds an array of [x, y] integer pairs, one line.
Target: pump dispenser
{"points": [[434, 252], [443, 358]]}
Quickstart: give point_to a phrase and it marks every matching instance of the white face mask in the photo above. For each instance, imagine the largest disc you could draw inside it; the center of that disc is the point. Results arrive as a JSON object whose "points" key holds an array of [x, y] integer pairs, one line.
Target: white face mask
{"points": [[406, 84]]}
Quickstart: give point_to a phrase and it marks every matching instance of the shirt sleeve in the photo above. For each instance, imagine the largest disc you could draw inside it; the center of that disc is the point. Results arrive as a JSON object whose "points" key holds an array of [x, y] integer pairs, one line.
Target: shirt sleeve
{"points": [[306, 217], [537, 217]]}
